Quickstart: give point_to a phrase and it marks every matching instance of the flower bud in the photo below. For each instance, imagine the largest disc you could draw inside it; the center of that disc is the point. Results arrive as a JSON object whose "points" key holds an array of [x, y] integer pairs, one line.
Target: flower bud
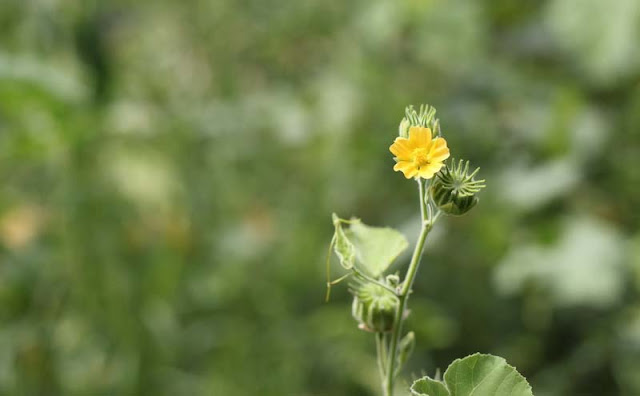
{"points": [[374, 307], [424, 117], [393, 280], [454, 190]]}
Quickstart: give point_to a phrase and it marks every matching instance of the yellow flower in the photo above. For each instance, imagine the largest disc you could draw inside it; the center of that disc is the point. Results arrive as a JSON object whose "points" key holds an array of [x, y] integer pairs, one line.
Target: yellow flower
{"points": [[420, 155]]}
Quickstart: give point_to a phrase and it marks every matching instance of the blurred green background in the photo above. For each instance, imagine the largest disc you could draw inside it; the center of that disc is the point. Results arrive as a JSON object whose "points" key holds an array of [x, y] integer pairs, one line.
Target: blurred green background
{"points": [[168, 170]]}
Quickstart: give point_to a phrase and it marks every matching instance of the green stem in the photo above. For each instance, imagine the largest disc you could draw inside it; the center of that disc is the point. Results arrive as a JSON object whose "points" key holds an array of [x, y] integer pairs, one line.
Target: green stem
{"points": [[380, 348], [403, 296], [366, 277]]}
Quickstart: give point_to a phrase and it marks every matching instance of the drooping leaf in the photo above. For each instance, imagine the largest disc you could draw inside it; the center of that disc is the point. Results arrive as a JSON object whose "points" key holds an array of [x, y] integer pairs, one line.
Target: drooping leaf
{"points": [[345, 250], [476, 375], [376, 247]]}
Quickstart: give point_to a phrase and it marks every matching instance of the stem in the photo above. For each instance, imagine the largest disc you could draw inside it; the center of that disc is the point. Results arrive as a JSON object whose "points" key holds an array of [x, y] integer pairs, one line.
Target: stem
{"points": [[403, 296], [423, 202], [372, 280], [380, 348]]}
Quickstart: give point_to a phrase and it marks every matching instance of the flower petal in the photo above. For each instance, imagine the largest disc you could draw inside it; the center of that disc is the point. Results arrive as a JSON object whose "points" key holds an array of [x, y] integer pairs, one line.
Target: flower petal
{"points": [[420, 136], [439, 150], [427, 172], [402, 148], [407, 167]]}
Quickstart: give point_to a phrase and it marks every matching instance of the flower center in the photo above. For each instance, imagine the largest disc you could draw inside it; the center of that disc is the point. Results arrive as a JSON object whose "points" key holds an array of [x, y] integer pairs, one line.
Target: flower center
{"points": [[421, 157]]}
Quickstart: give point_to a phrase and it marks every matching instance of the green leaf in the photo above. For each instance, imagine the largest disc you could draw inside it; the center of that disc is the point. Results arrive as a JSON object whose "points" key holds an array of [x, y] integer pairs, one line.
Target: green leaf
{"points": [[376, 247], [480, 375], [428, 387], [344, 249], [476, 375], [405, 348]]}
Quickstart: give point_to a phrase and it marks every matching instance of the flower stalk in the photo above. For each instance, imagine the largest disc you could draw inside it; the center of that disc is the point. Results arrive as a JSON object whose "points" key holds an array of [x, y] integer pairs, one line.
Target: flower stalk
{"points": [[403, 295]]}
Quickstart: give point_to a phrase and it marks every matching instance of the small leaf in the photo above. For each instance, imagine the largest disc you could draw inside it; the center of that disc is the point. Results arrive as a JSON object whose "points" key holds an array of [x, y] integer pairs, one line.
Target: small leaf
{"points": [[344, 249], [476, 375], [428, 387], [405, 348], [376, 247]]}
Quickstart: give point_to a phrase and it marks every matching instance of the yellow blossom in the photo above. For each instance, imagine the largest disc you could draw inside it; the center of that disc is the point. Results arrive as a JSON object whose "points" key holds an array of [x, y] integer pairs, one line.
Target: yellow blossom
{"points": [[419, 155]]}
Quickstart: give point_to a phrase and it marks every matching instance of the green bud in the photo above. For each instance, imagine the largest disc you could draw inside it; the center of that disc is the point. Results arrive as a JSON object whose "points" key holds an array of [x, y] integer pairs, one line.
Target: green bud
{"points": [[393, 280], [454, 189], [374, 307]]}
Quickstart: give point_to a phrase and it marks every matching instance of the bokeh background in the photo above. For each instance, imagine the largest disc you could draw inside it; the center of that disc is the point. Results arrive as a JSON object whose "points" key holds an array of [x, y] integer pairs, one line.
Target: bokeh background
{"points": [[168, 170]]}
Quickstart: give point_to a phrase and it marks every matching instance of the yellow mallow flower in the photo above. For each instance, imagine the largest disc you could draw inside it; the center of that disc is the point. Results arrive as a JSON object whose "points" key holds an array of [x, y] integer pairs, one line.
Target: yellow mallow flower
{"points": [[419, 155]]}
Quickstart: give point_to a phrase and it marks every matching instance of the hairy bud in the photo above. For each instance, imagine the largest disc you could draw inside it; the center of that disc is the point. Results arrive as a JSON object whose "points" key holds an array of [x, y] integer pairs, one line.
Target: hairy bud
{"points": [[424, 117], [374, 307], [454, 189]]}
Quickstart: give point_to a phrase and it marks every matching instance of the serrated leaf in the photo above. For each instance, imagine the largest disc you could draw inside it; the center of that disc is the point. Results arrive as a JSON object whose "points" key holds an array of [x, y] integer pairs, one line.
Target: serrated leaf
{"points": [[376, 247], [476, 375], [345, 250], [428, 387], [485, 375]]}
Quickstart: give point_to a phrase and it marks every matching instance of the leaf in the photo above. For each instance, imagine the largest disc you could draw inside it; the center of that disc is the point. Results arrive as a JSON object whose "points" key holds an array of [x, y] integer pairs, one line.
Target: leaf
{"points": [[476, 375], [344, 249], [405, 348], [480, 375], [428, 387], [585, 245], [376, 247]]}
